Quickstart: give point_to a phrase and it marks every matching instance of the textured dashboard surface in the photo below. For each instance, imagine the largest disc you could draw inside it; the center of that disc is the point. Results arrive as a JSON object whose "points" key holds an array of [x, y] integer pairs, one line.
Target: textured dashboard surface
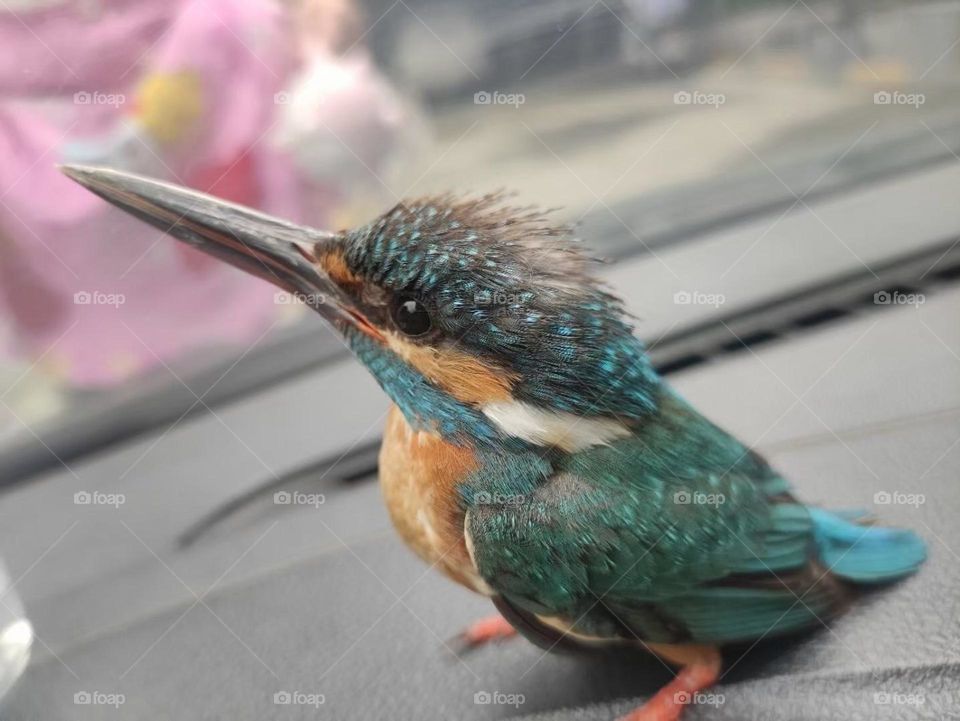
{"points": [[305, 599]]}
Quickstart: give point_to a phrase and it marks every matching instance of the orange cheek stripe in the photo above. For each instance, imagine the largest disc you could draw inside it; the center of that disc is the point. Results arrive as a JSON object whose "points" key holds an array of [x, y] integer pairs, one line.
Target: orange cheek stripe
{"points": [[336, 267], [466, 378]]}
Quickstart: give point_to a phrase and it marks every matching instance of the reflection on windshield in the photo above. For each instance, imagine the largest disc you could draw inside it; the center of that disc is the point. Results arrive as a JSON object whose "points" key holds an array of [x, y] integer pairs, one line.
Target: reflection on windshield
{"points": [[644, 120]]}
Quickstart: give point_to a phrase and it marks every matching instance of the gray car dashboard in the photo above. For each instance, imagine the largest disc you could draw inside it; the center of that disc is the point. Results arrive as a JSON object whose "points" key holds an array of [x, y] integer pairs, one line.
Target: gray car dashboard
{"points": [[301, 602]]}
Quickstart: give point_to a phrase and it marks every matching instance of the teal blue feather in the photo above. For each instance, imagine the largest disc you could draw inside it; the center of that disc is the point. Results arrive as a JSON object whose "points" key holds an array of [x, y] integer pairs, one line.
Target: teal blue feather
{"points": [[856, 553], [600, 539], [728, 615], [866, 554]]}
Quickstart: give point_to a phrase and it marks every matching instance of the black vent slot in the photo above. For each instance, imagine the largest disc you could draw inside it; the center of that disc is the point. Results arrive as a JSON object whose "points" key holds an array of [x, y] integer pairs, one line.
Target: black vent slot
{"points": [[819, 317], [749, 341], [921, 272], [949, 273]]}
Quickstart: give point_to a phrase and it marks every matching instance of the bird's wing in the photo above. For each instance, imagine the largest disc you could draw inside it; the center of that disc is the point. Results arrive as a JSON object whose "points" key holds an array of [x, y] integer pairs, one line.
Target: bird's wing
{"points": [[676, 534]]}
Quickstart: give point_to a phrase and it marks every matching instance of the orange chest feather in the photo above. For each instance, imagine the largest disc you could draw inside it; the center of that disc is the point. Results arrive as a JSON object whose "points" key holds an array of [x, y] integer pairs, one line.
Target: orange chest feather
{"points": [[419, 473]]}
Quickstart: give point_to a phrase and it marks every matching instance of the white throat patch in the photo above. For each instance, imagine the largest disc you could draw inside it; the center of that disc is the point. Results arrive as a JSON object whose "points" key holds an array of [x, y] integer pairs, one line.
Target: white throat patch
{"points": [[541, 427]]}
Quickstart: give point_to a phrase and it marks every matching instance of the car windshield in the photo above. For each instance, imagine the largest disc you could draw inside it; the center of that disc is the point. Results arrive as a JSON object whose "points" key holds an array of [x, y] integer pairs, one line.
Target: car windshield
{"points": [[643, 122]]}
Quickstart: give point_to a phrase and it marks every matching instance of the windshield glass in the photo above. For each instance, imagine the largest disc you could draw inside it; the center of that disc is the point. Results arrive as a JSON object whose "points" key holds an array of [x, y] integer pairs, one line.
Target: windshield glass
{"points": [[645, 122]]}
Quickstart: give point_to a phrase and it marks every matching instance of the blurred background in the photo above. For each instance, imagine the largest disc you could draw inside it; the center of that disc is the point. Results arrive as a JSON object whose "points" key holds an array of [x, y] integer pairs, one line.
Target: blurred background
{"points": [[643, 121], [726, 156]]}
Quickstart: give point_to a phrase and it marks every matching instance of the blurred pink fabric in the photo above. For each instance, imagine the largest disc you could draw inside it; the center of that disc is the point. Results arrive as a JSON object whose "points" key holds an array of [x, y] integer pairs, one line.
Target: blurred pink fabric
{"points": [[347, 131], [98, 295], [277, 107]]}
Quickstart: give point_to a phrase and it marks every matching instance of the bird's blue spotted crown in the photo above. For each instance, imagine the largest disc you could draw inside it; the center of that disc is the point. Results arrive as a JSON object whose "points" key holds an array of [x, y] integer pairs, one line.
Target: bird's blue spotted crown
{"points": [[505, 285]]}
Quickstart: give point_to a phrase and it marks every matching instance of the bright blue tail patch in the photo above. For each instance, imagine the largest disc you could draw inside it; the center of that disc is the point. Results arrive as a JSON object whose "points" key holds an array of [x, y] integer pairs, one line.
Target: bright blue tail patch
{"points": [[865, 554]]}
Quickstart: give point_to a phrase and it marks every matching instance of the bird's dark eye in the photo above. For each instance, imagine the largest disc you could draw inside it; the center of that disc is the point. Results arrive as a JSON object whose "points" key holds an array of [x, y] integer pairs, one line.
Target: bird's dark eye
{"points": [[411, 315]]}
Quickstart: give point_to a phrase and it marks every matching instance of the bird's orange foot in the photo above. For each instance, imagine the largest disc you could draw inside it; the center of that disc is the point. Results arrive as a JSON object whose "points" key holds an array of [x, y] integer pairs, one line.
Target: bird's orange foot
{"points": [[491, 628], [669, 702]]}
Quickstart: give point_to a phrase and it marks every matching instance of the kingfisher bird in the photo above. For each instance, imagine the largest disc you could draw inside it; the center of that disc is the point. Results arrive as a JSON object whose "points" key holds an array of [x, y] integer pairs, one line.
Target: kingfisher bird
{"points": [[532, 453]]}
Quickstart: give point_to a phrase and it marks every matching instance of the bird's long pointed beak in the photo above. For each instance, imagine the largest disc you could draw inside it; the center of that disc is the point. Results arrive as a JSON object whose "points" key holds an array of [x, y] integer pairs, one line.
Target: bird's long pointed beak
{"points": [[275, 250]]}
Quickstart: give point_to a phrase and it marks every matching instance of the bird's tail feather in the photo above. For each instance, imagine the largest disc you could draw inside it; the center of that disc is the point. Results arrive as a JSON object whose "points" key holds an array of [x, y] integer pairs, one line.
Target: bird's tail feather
{"points": [[862, 553]]}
